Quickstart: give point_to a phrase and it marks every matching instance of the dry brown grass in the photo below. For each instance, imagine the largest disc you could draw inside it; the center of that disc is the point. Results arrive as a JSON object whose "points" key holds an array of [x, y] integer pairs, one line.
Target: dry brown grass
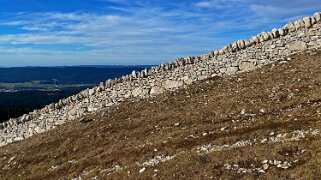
{"points": [[289, 93]]}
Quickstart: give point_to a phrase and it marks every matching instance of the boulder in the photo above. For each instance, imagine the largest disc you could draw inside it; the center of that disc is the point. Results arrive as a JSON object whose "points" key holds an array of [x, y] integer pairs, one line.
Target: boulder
{"points": [[211, 54], [226, 49], [102, 85], [182, 62], [108, 84], [91, 92], [261, 39], [297, 46], [235, 47], [204, 57], [170, 84], [266, 36], [313, 20], [187, 80], [156, 90], [98, 89], [78, 97], [73, 98], [216, 53], [85, 93], [19, 138], [176, 64], [315, 44], [241, 44], [221, 52], [65, 101], [231, 70], [290, 26], [23, 118], [255, 39], [187, 60], [134, 74], [138, 75], [5, 124], [317, 16], [145, 73], [275, 33], [137, 92], [307, 22], [299, 24], [38, 130], [13, 121], [247, 65], [282, 32], [51, 106], [201, 78], [28, 118], [248, 43]]}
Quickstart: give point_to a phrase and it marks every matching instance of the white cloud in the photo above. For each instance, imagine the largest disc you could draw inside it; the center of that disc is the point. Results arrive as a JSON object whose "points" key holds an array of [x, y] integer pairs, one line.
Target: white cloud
{"points": [[204, 4], [220, 4], [137, 32], [275, 8]]}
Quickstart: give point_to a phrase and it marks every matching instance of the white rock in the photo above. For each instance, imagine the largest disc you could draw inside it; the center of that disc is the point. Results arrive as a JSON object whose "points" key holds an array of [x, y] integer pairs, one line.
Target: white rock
{"points": [[187, 80], [298, 46], [142, 170], [169, 84], [307, 22], [231, 70], [247, 65], [317, 16], [223, 128], [156, 90], [265, 166]]}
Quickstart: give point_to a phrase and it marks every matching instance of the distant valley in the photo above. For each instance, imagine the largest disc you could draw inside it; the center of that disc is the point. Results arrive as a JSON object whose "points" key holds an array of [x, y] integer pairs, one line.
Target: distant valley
{"points": [[23, 89], [59, 78]]}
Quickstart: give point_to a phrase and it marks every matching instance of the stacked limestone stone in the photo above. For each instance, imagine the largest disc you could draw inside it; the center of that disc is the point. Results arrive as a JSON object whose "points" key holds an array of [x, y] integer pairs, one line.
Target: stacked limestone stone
{"points": [[239, 56]]}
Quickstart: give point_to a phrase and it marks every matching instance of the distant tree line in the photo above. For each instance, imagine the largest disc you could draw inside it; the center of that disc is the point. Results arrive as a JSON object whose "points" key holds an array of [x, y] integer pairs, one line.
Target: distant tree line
{"points": [[15, 104]]}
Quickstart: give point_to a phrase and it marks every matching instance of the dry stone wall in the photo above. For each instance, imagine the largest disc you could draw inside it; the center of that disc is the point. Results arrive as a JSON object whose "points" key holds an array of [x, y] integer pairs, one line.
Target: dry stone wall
{"points": [[240, 56]]}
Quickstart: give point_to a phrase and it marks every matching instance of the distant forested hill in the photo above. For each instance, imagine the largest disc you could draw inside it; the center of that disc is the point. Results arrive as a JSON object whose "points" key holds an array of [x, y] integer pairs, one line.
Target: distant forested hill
{"points": [[15, 104], [65, 75]]}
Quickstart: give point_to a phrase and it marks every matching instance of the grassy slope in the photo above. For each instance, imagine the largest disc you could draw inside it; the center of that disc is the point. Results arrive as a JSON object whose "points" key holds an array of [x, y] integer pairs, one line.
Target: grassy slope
{"points": [[289, 94]]}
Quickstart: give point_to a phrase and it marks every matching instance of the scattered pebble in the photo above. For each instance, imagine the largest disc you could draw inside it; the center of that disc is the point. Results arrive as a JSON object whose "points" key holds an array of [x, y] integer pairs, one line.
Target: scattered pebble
{"points": [[265, 166], [223, 128], [142, 170]]}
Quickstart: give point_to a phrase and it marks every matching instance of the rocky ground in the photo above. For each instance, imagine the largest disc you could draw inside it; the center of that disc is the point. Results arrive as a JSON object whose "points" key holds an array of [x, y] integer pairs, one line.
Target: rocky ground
{"points": [[261, 124]]}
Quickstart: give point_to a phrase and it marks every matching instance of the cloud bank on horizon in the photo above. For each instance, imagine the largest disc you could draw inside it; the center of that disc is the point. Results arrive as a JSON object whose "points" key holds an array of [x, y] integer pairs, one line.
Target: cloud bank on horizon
{"points": [[79, 32]]}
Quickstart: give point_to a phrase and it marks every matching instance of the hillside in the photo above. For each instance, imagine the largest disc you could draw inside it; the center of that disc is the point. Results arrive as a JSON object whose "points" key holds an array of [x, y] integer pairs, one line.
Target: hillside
{"points": [[296, 37], [264, 123]]}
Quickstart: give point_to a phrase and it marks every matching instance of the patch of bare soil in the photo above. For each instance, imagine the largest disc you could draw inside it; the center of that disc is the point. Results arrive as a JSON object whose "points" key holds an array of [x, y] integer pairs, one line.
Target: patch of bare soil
{"points": [[262, 124]]}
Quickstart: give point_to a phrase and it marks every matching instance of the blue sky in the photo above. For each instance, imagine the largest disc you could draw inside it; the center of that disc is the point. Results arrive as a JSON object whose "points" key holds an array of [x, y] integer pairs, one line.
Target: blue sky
{"points": [[107, 32]]}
